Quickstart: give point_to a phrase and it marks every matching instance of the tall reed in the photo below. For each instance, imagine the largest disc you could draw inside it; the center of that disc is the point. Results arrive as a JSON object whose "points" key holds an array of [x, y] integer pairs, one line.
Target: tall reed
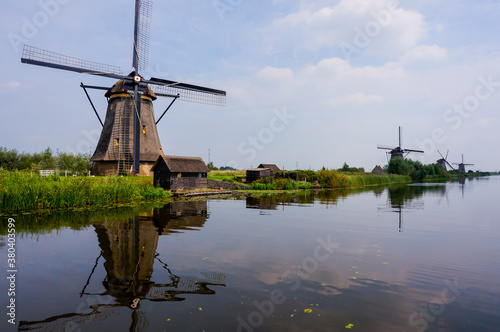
{"points": [[24, 191]]}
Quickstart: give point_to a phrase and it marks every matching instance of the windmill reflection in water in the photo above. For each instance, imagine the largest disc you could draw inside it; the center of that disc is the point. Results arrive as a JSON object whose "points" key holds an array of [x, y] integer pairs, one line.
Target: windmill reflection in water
{"points": [[129, 252]]}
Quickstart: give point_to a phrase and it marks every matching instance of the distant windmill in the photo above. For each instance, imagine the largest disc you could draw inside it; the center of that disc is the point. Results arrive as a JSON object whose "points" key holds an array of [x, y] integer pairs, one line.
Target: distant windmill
{"points": [[444, 161], [398, 152], [119, 148], [461, 166]]}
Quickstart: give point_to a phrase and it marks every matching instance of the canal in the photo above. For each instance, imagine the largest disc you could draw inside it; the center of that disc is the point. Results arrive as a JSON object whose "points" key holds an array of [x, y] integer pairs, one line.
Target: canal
{"points": [[420, 257]]}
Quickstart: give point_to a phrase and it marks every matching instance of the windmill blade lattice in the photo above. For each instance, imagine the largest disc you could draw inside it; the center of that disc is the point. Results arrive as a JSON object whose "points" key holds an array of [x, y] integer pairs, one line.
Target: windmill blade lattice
{"points": [[134, 82], [145, 14], [36, 56], [190, 95]]}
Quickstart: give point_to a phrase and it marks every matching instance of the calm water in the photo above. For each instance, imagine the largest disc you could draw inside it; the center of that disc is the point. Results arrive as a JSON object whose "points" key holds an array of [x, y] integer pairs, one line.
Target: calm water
{"points": [[403, 258]]}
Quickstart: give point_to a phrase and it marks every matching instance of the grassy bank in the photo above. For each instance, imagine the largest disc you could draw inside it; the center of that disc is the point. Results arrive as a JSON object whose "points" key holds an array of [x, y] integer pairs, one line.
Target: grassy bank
{"points": [[330, 179], [21, 191], [367, 179], [227, 176]]}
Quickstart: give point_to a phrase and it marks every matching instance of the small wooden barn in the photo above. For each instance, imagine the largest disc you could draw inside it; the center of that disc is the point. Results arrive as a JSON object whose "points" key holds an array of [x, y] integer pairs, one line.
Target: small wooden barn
{"points": [[257, 173], [378, 170], [263, 171], [180, 173]]}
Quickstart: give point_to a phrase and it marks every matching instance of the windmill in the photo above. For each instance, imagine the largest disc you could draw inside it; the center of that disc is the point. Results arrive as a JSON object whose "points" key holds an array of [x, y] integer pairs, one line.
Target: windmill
{"points": [[444, 161], [461, 166], [129, 116], [398, 152]]}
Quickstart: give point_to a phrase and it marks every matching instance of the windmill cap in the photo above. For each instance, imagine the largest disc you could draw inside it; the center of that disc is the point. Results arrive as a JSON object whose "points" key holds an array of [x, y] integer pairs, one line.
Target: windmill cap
{"points": [[120, 87]]}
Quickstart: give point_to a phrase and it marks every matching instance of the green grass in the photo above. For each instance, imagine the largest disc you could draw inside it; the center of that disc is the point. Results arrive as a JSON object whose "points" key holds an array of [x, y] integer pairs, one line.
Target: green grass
{"points": [[227, 176], [367, 179], [21, 191], [331, 179]]}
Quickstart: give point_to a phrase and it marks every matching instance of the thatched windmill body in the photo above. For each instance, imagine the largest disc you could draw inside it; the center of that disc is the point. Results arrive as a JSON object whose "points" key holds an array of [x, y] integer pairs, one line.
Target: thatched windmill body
{"points": [[444, 161], [461, 166], [398, 151], [129, 141]]}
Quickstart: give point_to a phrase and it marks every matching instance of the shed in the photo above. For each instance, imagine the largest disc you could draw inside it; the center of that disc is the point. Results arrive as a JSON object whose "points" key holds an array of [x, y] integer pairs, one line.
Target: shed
{"points": [[258, 173], [180, 173], [378, 170]]}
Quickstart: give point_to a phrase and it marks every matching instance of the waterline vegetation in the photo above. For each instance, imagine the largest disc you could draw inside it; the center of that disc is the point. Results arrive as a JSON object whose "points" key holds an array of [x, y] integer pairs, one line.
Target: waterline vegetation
{"points": [[327, 178], [21, 191]]}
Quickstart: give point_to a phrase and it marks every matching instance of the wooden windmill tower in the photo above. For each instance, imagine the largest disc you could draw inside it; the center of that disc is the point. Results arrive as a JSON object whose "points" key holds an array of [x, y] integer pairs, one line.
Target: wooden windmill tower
{"points": [[444, 161], [129, 141], [461, 166], [398, 152]]}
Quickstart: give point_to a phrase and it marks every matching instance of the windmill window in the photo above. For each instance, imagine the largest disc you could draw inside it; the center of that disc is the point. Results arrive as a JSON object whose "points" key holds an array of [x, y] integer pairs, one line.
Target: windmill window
{"points": [[117, 141], [143, 129]]}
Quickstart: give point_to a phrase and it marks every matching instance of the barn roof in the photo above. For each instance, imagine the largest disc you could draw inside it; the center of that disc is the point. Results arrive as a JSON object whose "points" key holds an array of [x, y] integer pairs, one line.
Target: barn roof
{"points": [[378, 170], [183, 164], [272, 167]]}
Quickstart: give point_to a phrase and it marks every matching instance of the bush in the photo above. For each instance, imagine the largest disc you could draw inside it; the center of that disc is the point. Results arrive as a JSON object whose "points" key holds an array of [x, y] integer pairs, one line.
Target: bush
{"points": [[307, 175], [279, 184], [329, 178]]}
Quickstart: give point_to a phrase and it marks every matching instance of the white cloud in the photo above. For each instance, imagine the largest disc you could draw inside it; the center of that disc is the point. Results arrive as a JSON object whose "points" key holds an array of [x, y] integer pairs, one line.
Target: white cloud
{"points": [[425, 53], [273, 73], [340, 71], [14, 84], [355, 99], [389, 28]]}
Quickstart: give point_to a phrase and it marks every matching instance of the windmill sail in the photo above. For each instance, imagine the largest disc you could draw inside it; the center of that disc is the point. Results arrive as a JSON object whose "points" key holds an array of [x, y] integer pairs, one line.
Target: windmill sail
{"points": [[125, 126], [188, 92], [398, 151], [145, 14], [36, 56]]}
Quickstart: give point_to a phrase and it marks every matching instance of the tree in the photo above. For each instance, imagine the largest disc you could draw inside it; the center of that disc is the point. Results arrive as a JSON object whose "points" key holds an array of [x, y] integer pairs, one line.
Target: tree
{"points": [[398, 166], [211, 166], [66, 162], [48, 160], [82, 163], [9, 159]]}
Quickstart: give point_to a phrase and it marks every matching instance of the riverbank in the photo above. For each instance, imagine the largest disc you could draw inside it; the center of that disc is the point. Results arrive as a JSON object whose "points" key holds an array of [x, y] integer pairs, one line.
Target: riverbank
{"points": [[23, 191], [329, 179]]}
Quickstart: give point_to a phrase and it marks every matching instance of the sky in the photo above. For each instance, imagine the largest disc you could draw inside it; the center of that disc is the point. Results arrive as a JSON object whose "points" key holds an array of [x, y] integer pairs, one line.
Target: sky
{"points": [[309, 84]]}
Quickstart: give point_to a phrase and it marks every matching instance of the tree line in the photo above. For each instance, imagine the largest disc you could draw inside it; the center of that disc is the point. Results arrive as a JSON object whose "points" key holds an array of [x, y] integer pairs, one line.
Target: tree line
{"points": [[12, 160]]}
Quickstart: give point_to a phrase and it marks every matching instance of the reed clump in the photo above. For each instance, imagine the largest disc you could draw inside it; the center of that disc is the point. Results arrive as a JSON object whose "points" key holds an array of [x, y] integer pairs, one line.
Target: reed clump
{"points": [[328, 178], [20, 191]]}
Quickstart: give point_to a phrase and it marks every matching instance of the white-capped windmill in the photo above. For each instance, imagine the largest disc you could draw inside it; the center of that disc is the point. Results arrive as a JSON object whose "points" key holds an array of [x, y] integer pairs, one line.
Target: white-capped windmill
{"points": [[130, 117], [398, 151]]}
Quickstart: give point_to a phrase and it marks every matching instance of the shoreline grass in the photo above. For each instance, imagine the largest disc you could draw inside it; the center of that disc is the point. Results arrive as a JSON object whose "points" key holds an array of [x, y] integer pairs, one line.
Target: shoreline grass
{"points": [[22, 191], [331, 179]]}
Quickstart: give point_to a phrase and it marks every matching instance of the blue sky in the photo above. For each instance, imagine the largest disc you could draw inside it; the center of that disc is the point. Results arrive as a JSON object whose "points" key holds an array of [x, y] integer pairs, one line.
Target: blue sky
{"points": [[313, 83]]}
